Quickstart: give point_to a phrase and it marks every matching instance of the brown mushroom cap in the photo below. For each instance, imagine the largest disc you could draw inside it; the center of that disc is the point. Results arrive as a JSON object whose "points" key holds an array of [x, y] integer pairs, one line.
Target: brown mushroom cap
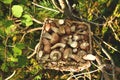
{"points": [[55, 38]]}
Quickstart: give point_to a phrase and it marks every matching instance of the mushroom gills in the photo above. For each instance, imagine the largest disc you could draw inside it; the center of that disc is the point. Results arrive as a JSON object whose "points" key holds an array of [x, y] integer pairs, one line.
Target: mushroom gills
{"points": [[55, 55]]}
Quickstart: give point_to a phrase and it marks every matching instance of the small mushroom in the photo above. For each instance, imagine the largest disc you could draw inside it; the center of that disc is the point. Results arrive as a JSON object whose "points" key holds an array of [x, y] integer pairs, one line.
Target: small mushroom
{"points": [[45, 41], [67, 52], [55, 29], [82, 26], [47, 27], [78, 37], [64, 39], [55, 38], [81, 53], [55, 55], [70, 41], [61, 21], [73, 27], [67, 29], [61, 30], [75, 37], [47, 48], [47, 35], [90, 57], [75, 50], [73, 44], [70, 36], [75, 57], [84, 45], [62, 45], [39, 55]]}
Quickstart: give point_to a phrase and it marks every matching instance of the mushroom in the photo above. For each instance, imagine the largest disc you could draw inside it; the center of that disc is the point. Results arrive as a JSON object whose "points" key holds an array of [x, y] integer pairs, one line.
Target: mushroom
{"points": [[45, 57], [39, 55], [45, 41], [55, 38], [55, 55], [47, 27], [78, 37], [47, 35], [90, 57], [55, 29], [47, 48], [62, 45], [67, 29], [75, 50], [73, 27], [82, 53], [75, 57], [61, 30], [73, 44], [84, 45], [64, 39], [82, 26], [61, 21], [67, 52]]}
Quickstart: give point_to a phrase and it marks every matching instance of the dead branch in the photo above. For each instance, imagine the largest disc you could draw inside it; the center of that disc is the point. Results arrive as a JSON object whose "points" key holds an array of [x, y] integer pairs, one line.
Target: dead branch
{"points": [[45, 7], [11, 75], [107, 44], [109, 57]]}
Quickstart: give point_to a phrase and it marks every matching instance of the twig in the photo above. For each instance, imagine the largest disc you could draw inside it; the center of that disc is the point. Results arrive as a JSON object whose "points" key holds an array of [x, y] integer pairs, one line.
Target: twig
{"points": [[116, 36], [107, 44], [5, 51], [45, 7], [109, 57], [11, 75], [37, 46], [35, 51], [34, 29], [83, 74], [35, 20], [23, 37], [54, 3], [70, 10], [85, 20]]}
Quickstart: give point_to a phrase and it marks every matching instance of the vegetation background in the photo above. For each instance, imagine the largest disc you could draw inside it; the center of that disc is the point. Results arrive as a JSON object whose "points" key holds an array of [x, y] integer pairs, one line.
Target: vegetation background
{"points": [[20, 28]]}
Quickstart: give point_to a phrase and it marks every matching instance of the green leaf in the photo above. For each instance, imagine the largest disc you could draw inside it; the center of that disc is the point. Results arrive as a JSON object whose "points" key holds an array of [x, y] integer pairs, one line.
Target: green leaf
{"points": [[20, 45], [17, 10], [27, 20], [10, 30], [22, 61], [13, 59], [4, 67], [7, 23], [16, 51], [7, 1]]}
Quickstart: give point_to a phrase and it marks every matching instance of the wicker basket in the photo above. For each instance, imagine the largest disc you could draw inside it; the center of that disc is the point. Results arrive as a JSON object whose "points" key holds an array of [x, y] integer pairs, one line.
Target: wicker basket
{"points": [[63, 43]]}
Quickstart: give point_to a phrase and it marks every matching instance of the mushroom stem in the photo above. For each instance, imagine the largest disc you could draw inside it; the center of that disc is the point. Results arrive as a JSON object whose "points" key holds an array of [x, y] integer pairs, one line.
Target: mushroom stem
{"points": [[58, 45], [75, 57]]}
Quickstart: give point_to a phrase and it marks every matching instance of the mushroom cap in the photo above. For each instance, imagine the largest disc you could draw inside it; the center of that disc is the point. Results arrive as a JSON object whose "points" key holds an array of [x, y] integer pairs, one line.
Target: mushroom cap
{"points": [[55, 55]]}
